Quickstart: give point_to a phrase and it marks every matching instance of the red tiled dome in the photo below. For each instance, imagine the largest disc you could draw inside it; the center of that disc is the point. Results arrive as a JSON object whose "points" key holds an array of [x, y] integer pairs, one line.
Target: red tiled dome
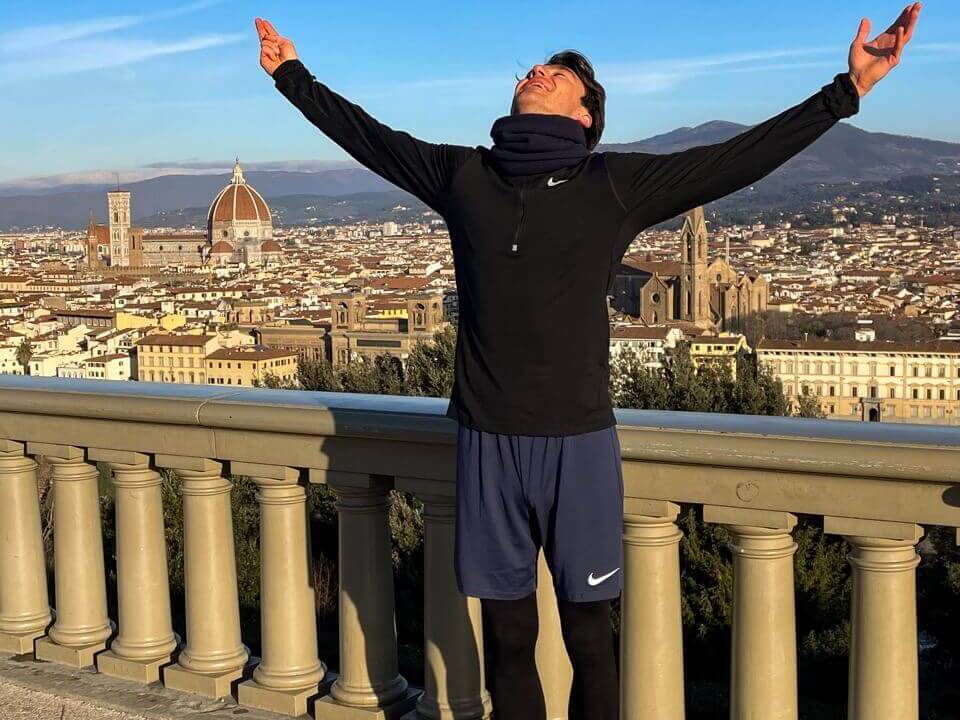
{"points": [[222, 246], [270, 246], [238, 202]]}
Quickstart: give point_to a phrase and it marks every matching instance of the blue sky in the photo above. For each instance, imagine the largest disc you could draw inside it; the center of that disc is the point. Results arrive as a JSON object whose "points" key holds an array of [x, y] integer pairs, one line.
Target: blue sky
{"points": [[88, 85]]}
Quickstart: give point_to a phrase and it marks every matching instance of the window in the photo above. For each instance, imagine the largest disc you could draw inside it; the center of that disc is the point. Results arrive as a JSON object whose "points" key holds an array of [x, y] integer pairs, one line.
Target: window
{"points": [[943, 394], [893, 371], [927, 411], [854, 391], [929, 394], [916, 371], [833, 391], [914, 411], [893, 392], [941, 371]]}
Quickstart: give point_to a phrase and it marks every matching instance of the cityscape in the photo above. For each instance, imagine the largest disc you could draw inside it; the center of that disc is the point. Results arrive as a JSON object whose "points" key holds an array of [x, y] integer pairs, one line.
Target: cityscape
{"points": [[255, 297]]}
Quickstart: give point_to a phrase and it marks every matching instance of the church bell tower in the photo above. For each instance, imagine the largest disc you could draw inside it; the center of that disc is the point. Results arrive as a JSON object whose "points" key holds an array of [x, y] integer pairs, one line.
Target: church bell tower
{"points": [[694, 284]]}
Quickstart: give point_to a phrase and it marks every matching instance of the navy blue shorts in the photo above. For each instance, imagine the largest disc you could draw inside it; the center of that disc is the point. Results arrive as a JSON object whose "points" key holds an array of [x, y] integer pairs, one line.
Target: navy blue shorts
{"points": [[518, 493]]}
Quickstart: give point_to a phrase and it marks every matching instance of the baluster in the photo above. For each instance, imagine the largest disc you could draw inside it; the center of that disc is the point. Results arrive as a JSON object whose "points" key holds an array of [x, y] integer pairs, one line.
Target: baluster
{"points": [[763, 682], [289, 672], [651, 632], [370, 683], [214, 656], [82, 625], [453, 638], [883, 682], [553, 663], [24, 603], [146, 640]]}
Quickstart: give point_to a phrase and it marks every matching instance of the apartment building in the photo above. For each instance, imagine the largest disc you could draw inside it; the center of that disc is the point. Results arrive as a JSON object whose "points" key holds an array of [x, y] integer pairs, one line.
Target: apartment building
{"points": [[246, 366], [718, 350], [174, 358], [872, 380]]}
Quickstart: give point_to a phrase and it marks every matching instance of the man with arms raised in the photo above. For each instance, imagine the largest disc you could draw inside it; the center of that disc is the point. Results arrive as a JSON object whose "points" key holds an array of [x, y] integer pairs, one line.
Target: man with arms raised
{"points": [[538, 224]]}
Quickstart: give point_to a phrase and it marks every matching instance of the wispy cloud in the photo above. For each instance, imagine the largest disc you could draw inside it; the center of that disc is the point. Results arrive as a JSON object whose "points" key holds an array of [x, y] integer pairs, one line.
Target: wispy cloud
{"points": [[659, 75], [82, 56], [640, 78], [86, 44], [656, 76], [35, 37]]}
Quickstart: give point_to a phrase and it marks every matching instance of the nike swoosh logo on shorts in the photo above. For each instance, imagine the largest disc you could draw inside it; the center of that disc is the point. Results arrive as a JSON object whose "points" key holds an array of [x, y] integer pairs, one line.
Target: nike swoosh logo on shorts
{"points": [[553, 183], [592, 581]]}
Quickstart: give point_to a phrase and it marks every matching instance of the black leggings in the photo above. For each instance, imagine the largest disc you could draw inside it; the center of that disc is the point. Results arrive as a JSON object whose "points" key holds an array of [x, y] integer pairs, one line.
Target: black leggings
{"points": [[510, 637]]}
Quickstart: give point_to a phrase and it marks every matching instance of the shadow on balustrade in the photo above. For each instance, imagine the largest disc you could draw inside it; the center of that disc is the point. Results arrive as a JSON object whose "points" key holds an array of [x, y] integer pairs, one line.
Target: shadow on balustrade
{"points": [[402, 588]]}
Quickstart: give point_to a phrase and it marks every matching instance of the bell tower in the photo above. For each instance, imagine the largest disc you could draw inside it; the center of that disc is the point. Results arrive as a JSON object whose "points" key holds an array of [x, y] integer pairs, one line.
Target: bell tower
{"points": [[118, 207], [694, 285]]}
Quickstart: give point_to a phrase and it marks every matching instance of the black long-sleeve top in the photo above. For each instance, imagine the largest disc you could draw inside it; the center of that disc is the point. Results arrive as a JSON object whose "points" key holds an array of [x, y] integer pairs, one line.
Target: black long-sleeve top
{"points": [[535, 260]]}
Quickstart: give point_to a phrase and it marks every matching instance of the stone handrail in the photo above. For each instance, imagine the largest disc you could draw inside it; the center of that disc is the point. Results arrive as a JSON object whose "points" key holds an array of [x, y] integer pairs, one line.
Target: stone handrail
{"points": [[877, 485]]}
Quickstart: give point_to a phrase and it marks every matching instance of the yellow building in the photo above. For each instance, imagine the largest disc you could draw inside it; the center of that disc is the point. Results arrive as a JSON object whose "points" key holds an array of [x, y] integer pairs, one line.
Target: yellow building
{"points": [[718, 349], [174, 358], [872, 380], [237, 366]]}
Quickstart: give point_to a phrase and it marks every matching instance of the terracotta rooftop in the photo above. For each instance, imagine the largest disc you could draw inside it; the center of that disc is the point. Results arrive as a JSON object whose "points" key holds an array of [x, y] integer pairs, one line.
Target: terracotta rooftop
{"points": [[188, 340]]}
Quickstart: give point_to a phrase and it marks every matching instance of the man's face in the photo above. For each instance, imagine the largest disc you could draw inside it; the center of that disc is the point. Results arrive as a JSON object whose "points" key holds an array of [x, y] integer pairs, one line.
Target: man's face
{"points": [[552, 90]]}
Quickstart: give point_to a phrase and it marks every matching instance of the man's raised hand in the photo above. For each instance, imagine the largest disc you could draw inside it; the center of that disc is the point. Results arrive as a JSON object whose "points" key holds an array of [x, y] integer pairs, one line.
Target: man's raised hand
{"points": [[871, 61], [274, 50]]}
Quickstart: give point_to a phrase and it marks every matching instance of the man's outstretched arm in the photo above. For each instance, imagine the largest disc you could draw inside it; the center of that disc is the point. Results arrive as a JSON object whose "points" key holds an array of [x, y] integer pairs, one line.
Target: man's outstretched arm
{"points": [[423, 169], [653, 188]]}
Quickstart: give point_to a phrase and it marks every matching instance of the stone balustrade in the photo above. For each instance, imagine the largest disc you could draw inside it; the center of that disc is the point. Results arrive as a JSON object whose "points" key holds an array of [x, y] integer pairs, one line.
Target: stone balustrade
{"points": [[876, 485]]}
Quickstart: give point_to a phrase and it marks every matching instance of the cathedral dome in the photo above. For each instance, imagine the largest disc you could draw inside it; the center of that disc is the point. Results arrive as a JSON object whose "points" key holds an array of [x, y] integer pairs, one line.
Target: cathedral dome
{"points": [[238, 202], [221, 246], [270, 246], [240, 217]]}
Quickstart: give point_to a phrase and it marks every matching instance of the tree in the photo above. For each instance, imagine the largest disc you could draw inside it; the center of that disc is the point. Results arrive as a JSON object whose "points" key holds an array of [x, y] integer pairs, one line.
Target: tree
{"points": [[24, 355], [808, 405], [633, 385], [274, 382], [318, 375], [430, 364]]}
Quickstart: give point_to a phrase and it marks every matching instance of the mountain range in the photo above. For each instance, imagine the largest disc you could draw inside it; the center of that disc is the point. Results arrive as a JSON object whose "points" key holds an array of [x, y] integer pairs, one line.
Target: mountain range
{"points": [[844, 154]]}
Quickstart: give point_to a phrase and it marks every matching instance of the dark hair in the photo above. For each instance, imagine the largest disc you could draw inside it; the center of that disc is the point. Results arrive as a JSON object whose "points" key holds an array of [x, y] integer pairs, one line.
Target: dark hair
{"points": [[595, 98]]}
